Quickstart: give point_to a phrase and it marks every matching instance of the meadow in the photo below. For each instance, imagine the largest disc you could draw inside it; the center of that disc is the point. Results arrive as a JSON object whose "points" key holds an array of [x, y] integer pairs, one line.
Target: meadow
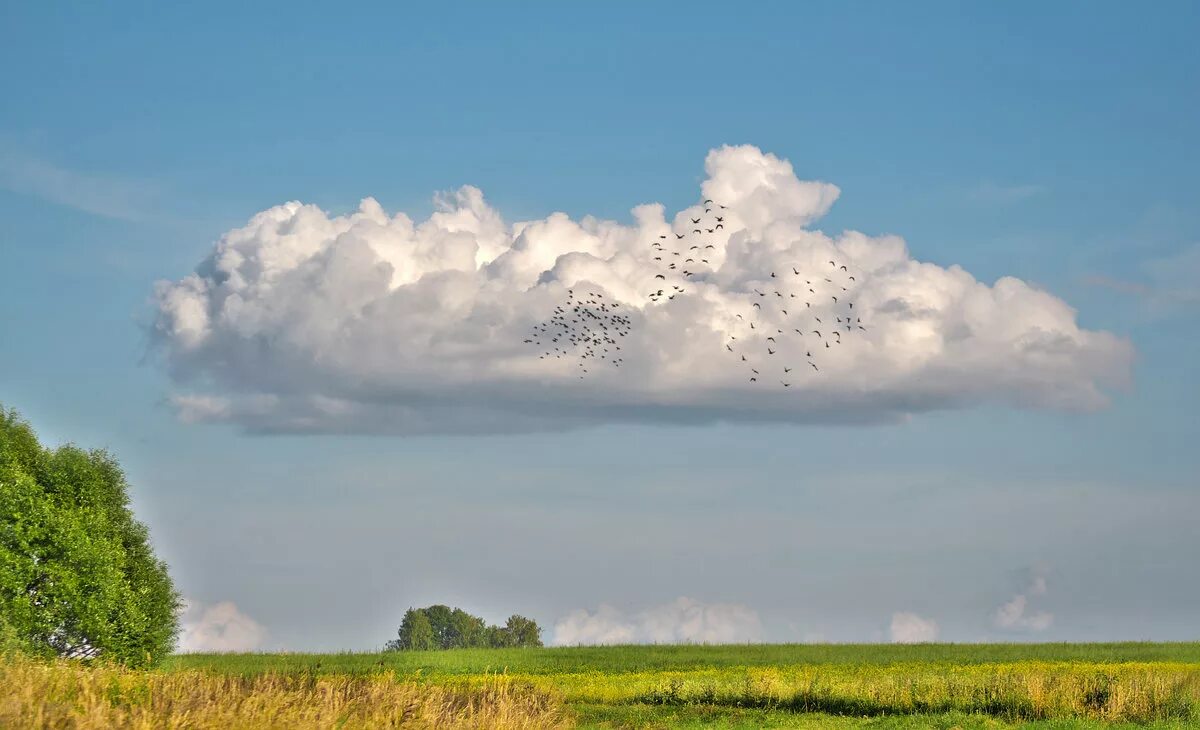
{"points": [[819, 686]]}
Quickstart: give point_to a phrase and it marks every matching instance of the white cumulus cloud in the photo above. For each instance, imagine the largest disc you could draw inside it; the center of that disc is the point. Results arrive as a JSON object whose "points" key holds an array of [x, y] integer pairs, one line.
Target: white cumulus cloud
{"points": [[302, 321], [679, 622], [219, 627], [909, 628]]}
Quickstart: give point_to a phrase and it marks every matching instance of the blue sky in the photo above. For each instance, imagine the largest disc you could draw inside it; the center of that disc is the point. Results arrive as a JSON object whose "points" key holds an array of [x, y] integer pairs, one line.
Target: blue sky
{"points": [[1054, 144]]}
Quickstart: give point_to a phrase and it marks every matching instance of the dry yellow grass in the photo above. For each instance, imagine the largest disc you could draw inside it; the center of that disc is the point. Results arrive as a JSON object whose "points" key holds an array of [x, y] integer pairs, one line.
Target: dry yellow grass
{"points": [[67, 695]]}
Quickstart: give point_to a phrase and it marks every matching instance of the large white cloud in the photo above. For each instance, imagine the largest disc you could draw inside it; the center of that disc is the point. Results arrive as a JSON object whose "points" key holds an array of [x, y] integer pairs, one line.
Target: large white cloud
{"points": [[370, 322], [679, 622]]}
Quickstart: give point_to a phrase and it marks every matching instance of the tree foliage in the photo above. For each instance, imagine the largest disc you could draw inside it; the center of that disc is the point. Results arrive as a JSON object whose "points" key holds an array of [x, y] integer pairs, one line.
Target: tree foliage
{"points": [[416, 632], [442, 627], [77, 575]]}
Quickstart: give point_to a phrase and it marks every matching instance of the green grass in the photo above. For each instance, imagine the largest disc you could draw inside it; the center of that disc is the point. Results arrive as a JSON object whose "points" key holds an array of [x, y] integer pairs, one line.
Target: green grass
{"points": [[821, 686], [682, 658], [651, 716]]}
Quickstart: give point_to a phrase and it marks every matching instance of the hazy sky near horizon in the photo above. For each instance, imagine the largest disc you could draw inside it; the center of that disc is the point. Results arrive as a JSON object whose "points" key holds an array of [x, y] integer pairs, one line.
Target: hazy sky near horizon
{"points": [[1012, 501]]}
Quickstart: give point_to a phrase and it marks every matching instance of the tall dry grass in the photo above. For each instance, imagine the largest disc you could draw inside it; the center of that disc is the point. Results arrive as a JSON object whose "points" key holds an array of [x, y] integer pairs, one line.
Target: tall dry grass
{"points": [[56, 695]]}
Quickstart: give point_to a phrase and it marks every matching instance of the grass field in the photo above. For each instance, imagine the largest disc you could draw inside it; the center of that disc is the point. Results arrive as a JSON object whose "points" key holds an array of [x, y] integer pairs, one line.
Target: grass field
{"points": [[818, 686]]}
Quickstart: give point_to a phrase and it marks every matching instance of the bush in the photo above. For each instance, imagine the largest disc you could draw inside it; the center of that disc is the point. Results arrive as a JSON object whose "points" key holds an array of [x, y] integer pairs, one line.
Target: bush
{"points": [[77, 575]]}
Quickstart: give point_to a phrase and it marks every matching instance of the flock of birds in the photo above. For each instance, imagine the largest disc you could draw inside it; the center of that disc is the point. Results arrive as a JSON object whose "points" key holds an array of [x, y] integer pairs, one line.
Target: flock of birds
{"points": [[798, 313], [681, 256], [790, 325], [587, 328]]}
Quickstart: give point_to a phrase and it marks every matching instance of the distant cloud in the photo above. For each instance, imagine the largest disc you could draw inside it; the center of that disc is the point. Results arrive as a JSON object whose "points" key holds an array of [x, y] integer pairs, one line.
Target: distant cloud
{"points": [[681, 621], [1175, 279], [1118, 285], [996, 194], [1015, 614], [219, 627], [102, 195], [1167, 285], [371, 322], [909, 628]]}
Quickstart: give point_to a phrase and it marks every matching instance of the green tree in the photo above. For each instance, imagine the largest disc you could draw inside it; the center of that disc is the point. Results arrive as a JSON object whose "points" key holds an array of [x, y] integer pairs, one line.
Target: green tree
{"points": [[416, 632], [442, 627], [466, 631], [439, 621], [497, 637], [522, 631], [77, 575]]}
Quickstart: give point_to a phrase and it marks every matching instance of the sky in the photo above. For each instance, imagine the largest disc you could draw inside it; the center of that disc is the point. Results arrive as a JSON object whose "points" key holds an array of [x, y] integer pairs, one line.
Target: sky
{"points": [[279, 261]]}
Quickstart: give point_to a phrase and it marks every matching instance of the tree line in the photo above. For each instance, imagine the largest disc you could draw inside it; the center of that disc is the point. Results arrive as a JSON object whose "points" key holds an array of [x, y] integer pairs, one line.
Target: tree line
{"points": [[442, 627]]}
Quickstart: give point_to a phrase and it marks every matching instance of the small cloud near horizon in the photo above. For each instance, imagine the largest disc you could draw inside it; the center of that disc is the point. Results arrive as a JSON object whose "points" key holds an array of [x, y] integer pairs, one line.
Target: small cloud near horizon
{"points": [[909, 628], [218, 627], [683, 621], [1016, 614]]}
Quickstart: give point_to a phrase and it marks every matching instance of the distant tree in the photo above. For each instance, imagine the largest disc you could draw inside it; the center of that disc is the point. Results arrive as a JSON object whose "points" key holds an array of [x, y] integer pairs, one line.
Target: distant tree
{"points": [[416, 633], [466, 631], [439, 621], [523, 631], [442, 627], [77, 575], [497, 637]]}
